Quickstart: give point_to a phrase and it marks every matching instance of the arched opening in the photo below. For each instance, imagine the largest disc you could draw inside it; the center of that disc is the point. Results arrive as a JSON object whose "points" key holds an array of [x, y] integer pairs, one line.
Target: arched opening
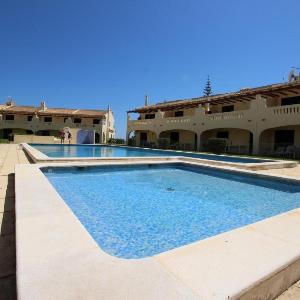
{"points": [[97, 138], [9, 133], [130, 139], [239, 141], [143, 138], [178, 140], [281, 141]]}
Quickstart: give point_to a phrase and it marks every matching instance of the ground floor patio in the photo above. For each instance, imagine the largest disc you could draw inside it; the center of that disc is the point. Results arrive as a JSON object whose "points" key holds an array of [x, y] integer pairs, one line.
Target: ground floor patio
{"points": [[278, 141]]}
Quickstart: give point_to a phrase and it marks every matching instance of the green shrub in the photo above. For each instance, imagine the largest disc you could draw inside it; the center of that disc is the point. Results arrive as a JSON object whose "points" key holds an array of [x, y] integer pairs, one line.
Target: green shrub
{"points": [[217, 145], [131, 141], [4, 141], [116, 141]]}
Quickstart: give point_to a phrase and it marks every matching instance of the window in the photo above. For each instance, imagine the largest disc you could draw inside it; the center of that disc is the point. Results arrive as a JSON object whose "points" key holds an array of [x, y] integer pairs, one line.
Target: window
{"points": [[179, 113], [223, 135], [290, 100], [48, 119], [77, 120], [29, 118], [29, 132], [9, 117], [96, 121], [228, 108], [149, 116]]}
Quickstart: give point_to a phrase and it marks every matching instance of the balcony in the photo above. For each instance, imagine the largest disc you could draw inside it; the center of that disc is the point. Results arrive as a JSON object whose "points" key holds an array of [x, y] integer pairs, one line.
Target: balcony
{"points": [[289, 110], [234, 115], [159, 124], [178, 120], [257, 117]]}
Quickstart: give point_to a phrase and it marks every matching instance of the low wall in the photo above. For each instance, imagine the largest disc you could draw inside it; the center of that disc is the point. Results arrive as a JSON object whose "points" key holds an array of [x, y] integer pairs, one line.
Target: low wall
{"points": [[35, 139]]}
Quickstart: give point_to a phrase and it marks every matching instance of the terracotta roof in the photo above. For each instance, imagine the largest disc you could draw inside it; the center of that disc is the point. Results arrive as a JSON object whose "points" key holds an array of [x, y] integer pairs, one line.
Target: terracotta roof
{"points": [[246, 94], [17, 109]]}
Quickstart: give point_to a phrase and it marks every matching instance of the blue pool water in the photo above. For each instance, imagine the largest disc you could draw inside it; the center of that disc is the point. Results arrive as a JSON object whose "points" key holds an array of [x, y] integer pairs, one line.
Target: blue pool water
{"points": [[58, 150], [140, 211]]}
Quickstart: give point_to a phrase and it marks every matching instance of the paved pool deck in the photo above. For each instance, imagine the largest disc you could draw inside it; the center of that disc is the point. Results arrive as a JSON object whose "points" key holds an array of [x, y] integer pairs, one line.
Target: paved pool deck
{"points": [[11, 155]]}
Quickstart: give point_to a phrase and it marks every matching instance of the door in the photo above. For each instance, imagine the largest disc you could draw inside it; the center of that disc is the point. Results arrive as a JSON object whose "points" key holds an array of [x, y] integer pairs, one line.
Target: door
{"points": [[143, 138]]}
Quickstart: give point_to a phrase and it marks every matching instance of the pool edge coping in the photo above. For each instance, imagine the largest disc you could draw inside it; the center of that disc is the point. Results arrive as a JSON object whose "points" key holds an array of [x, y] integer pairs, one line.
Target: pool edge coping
{"points": [[20, 189], [39, 157]]}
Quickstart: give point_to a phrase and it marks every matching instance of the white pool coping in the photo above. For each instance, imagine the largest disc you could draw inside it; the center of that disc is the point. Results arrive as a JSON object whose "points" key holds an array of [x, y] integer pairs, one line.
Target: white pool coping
{"points": [[39, 157], [58, 259]]}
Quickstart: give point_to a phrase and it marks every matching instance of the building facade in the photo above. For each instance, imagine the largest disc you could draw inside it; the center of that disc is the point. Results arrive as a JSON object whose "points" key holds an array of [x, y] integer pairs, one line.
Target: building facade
{"points": [[253, 120], [29, 123]]}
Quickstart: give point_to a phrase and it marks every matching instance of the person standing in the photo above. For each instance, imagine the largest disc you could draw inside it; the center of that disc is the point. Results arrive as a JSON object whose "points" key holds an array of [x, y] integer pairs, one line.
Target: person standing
{"points": [[69, 137], [62, 137]]}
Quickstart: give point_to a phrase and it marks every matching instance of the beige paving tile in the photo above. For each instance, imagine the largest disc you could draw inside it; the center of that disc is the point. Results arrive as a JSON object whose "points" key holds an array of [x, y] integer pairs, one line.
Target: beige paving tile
{"points": [[293, 293], [7, 170], [7, 181], [293, 172], [7, 192], [224, 262]]}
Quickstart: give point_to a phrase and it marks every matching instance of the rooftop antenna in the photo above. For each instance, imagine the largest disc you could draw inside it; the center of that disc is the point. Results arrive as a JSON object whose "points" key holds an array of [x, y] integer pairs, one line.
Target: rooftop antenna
{"points": [[292, 75], [146, 100]]}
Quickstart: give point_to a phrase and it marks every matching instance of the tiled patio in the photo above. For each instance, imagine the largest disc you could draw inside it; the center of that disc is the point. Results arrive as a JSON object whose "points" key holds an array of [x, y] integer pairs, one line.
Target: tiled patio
{"points": [[9, 156]]}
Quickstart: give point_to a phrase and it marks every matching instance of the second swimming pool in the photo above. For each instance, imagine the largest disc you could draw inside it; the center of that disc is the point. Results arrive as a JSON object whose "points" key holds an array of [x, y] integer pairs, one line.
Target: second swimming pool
{"points": [[57, 150]]}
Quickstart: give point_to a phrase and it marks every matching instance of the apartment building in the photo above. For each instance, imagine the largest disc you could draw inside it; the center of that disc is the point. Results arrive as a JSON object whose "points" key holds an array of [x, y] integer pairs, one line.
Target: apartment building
{"points": [[253, 120], [43, 124]]}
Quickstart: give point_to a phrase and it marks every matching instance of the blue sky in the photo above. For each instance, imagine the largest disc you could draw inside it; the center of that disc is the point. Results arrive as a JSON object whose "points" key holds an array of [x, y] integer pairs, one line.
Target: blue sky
{"points": [[88, 54]]}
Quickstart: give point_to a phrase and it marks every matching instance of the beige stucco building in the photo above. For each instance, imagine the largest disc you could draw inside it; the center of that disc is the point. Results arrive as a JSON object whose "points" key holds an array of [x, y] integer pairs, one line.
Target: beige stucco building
{"points": [[253, 120], [43, 124]]}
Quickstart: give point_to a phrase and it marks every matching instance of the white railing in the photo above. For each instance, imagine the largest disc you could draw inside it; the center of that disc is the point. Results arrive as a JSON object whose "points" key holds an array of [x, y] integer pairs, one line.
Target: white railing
{"points": [[225, 116], [141, 122], [178, 120], [286, 110]]}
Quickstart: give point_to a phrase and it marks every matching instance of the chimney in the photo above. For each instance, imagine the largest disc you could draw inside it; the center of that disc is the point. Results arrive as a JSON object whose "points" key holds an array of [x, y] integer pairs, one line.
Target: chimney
{"points": [[146, 100], [10, 102], [43, 105]]}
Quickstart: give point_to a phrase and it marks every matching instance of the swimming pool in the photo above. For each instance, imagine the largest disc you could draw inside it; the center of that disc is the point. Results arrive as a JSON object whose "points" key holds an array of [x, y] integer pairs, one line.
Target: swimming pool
{"points": [[142, 210], [57, 150]]}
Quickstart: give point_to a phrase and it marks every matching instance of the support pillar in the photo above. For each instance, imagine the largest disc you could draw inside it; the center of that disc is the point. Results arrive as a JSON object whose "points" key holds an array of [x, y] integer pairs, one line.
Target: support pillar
{"points": [[199, 141], [256, 138]]}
